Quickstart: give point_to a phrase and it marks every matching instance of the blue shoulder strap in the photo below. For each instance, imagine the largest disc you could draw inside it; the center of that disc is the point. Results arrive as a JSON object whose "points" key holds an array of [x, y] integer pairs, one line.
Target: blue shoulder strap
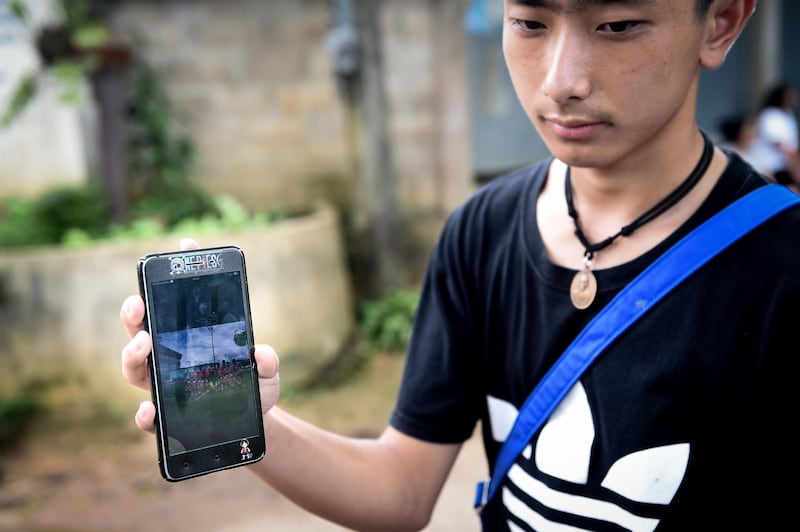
{"points": [[666, 272]]}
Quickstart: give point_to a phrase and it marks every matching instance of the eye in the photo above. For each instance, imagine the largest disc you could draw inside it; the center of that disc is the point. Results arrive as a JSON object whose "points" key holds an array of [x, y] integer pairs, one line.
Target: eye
{"points": [[621, 27], [527, 25]]}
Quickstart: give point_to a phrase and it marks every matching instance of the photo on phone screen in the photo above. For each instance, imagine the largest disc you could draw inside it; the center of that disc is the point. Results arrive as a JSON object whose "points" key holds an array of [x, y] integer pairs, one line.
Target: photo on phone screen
{"points": [[205, 383]]}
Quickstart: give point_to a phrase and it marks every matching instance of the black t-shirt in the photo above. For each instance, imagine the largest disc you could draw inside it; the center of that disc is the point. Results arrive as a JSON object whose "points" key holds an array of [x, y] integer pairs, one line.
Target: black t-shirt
{"points": [[685, 421]]}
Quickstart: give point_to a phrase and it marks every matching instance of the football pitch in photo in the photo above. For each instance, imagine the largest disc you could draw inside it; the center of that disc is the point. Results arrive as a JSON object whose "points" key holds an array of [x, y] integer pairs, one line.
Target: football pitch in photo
{"points": [[219, 414]]}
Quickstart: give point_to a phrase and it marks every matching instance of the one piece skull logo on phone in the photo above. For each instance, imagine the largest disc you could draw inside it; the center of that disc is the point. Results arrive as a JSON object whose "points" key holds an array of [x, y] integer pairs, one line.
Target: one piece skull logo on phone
{"points": [[176, 265]]}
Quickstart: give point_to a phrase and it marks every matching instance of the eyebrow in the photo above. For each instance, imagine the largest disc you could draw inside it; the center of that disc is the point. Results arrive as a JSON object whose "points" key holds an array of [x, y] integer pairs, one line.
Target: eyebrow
{"points": [[578, 5]]}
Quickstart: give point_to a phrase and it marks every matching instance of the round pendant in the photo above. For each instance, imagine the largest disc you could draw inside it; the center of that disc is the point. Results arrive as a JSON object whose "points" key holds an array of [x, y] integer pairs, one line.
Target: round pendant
{"points": [[583, 289]]}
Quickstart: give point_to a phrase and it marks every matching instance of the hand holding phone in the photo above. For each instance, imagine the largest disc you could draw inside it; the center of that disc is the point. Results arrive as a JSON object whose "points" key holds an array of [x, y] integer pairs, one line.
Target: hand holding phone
{"points": [[203, 374]]}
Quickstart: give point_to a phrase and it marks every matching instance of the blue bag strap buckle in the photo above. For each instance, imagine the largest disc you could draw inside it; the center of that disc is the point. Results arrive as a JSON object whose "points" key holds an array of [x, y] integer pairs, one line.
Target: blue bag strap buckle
{"points": [[481, 495]]}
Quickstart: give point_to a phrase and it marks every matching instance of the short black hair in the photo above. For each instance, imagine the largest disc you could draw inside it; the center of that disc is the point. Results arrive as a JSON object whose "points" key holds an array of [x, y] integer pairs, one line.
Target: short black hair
{"points": [[776, 96], [731, 127], [702, 7]]}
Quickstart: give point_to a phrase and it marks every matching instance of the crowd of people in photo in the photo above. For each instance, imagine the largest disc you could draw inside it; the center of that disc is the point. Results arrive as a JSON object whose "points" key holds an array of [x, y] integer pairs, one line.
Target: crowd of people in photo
{"points": [[200, 380], [768, 138]]}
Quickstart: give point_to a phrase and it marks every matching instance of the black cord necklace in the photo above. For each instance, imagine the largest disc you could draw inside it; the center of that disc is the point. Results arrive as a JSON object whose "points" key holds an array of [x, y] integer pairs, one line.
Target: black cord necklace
{"points": [[584, 285]]}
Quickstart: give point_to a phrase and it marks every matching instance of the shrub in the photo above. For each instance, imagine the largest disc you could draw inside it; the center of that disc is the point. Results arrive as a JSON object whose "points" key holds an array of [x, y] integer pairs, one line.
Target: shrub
{"points": [[387, 322], [48, 218], [15, 413], [18, 224], [161, 154], [73, 207]]}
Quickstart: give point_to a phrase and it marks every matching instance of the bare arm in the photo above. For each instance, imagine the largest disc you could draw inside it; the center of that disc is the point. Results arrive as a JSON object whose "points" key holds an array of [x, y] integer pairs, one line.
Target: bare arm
{"points": [[389, 483]]}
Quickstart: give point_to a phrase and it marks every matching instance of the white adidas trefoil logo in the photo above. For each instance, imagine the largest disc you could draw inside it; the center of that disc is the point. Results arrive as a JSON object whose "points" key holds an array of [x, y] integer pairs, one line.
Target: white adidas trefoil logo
{"points": [[563, 450]]}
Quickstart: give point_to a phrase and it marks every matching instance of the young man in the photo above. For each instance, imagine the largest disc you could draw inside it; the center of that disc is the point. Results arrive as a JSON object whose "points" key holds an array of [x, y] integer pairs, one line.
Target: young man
{"points": [[681, 423]]}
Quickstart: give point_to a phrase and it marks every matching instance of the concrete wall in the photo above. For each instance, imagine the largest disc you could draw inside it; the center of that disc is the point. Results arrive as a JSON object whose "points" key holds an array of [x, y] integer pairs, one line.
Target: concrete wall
{"points": [[59, 309], [253, 84], [46, 145]]}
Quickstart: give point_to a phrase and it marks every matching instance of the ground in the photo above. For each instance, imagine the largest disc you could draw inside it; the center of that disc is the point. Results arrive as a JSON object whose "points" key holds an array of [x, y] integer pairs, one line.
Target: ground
{"points": [[62, 483]]}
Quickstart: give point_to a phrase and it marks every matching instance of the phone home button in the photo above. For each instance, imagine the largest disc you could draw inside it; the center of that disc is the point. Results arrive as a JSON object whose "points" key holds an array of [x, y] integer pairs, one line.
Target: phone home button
{"points": [[186, 464], [216, 457]]}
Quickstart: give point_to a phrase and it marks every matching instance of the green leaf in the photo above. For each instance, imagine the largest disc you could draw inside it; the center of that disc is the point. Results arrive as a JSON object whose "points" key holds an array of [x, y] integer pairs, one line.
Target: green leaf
{"points": [[19, 10], [74, 238], [70, 76], [22, 96], [91, 36], [387, 322]]}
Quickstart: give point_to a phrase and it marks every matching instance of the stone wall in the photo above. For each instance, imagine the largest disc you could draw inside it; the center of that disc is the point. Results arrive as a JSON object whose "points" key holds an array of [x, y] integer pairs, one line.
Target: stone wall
{"points": [[59, 308], [253, 84]]}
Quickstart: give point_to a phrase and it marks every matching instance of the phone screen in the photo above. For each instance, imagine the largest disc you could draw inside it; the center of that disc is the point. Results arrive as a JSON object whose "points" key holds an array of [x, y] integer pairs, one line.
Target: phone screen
{"points": [[206, 387]]}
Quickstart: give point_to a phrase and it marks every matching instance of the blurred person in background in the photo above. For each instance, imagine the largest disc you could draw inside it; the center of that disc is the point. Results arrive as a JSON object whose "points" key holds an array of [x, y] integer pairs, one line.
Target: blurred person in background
{"points": [[740, 135], [777, 128], [684, 422]]}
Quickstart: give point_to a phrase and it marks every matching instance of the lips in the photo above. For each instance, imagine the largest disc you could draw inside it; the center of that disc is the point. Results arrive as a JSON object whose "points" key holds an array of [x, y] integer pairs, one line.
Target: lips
{"points": [[573, 128]]}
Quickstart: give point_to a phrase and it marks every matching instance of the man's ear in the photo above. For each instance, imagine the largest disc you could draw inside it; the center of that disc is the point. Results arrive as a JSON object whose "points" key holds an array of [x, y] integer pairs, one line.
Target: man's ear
{"points": [[723, 25]]}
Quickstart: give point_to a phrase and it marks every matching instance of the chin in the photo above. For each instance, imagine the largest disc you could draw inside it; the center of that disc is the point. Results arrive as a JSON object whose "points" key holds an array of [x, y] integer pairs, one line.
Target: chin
{"points": [[592, 153], [583, 155]]}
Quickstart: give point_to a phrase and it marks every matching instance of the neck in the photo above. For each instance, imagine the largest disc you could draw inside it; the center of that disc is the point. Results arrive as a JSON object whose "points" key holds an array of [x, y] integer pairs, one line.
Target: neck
{"points": [[620, 192], [607, 202], [659, 208]]}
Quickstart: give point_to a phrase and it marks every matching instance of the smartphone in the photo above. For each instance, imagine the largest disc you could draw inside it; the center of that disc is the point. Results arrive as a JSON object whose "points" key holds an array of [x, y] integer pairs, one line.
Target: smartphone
{"points": [[202, 368]]}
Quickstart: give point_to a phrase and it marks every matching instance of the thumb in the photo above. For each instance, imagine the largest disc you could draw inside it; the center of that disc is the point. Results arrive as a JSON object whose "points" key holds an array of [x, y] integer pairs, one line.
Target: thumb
{"points": [[268, 375]]}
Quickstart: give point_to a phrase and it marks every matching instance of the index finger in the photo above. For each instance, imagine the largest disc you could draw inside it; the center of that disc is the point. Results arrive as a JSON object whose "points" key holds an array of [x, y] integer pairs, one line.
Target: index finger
{"points": [[188, 244], [132, 315]]}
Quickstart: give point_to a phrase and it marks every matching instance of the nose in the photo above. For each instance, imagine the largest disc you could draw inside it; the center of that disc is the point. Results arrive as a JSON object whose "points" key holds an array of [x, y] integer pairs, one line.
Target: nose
{"points": [[568, 62]]}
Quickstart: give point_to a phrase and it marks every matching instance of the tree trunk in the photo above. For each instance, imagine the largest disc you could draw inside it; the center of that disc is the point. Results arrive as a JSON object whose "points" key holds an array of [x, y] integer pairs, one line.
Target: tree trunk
{"points": [[109, 85], [376, 215]]}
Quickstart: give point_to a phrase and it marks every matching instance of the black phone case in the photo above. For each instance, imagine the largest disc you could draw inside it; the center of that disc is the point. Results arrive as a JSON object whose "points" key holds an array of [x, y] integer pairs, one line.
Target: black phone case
{"points": [[211, 462]]}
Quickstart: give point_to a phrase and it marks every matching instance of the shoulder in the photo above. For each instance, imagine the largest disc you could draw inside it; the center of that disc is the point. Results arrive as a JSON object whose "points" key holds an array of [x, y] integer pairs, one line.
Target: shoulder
{"points": [[499, 200], [485, 222], [779, 233]]}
